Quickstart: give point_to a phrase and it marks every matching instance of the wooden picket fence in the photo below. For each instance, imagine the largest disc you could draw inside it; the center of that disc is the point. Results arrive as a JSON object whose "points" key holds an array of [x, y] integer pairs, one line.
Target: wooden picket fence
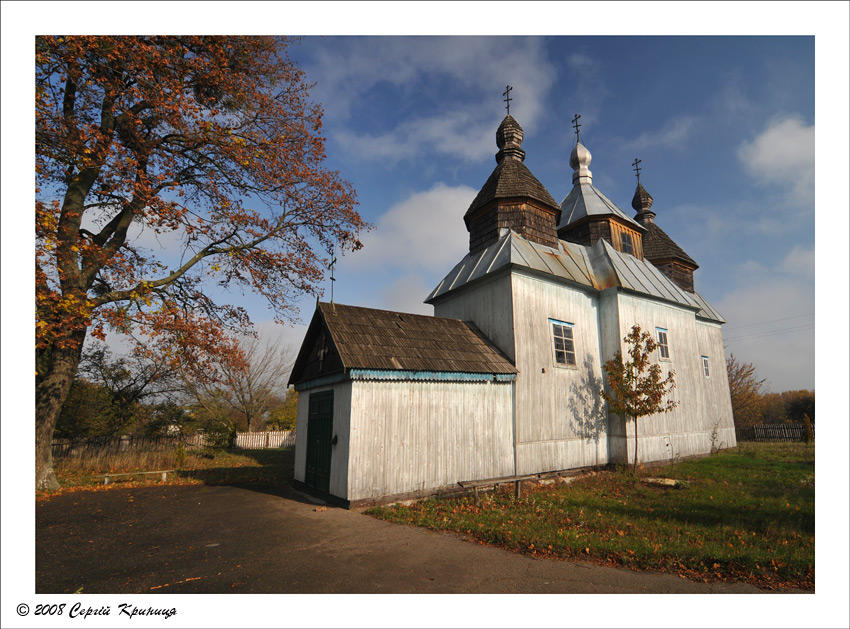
{"points": [[262, 440], [63, 448], [773, 432]]}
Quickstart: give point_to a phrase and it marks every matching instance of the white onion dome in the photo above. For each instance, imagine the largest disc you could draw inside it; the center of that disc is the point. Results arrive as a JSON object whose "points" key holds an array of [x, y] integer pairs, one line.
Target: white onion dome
{"points": [[580, 162]]}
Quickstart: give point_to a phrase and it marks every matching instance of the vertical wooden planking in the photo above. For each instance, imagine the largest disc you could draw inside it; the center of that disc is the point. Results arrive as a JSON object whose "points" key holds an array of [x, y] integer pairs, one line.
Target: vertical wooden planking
{"points": [[710, 338], [488, 305], [342, 431], [410, 436], [703, 403], [560, 416], [301, 429]]}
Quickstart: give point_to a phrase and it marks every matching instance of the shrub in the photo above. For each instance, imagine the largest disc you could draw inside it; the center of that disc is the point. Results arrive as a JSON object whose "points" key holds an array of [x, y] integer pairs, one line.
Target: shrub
{"points": [[179, 455], [808, 435]]}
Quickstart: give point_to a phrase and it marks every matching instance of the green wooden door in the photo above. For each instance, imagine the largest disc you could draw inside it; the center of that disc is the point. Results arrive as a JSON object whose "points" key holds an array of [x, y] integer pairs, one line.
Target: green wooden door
{"points": [[319, 433]]}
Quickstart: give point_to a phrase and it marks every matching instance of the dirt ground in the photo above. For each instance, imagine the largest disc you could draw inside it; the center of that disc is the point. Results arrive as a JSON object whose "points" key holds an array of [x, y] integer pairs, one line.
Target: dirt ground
{"points": [[218, 539]]}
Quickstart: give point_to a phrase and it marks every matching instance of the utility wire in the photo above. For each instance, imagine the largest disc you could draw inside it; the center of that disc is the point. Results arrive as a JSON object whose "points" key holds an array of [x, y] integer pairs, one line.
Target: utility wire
{"points": [[772, 332], [749, 325]]}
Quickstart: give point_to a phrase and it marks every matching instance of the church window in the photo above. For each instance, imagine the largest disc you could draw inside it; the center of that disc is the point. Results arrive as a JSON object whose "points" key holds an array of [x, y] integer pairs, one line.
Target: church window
{"points": [[705, 371], [626, 240], [563, 343], [663, 347]]}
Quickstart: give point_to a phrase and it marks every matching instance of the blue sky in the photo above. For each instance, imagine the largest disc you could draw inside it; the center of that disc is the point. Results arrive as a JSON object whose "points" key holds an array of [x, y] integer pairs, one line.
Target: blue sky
{"points": [[724, 126]]}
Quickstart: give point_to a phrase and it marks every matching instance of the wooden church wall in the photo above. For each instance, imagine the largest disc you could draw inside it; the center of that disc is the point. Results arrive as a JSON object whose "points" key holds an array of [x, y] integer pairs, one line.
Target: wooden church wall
{"points": [[560, 416], [611, 341], [416, 436], [687, 430], [717, 400], [488, 305]]}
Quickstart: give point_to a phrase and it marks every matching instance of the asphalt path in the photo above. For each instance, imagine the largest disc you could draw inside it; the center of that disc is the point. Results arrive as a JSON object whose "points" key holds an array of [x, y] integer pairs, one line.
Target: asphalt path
{"points": [[219, 539]]}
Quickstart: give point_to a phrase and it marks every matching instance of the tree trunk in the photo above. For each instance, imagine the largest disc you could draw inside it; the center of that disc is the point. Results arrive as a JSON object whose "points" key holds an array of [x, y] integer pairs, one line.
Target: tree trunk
{"points": [[50, 394], [634, 468]]}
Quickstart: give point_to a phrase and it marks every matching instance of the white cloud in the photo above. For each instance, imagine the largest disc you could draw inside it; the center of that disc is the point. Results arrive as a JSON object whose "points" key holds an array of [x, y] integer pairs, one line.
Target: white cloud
{"points": [[407, 294], [291, 336], [800, 262], [590, 89], [458, 134], [731, 100], [770, 320], [423, 232], [673, 134], [472, 72], [783, 156]]}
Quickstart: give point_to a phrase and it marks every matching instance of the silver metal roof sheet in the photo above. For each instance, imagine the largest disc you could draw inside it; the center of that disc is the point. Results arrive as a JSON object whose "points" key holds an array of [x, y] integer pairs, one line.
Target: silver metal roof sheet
{"points": [[707, 311], [585, 200], [597, 267]]}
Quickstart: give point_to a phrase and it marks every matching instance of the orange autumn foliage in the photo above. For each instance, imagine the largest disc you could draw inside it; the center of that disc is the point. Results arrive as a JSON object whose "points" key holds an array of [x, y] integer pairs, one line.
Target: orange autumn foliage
{"points": [[635, 386], [211, 142]]}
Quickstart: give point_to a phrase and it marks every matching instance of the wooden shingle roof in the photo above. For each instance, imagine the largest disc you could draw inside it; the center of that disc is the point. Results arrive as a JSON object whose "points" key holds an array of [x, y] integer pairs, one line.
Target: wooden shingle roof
{"points": [[365, 338], [657, 245], [511, 179]]}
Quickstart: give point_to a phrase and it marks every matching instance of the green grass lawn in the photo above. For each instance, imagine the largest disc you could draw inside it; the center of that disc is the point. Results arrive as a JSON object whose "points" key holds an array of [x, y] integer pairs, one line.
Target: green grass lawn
{"points": [[743, 516], [272, 466]]}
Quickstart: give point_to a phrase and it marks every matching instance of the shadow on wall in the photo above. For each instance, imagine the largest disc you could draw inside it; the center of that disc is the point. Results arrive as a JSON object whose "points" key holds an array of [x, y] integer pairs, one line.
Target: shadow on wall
{"points": [[588, 416]]}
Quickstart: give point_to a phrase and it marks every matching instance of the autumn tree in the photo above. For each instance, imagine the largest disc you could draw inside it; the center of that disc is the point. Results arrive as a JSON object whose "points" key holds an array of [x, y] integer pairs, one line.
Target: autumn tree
{"points": [[251, 388], [745, 389], [209, 144], [87, 412], [799, 404], [285, 414], [635, 387]]}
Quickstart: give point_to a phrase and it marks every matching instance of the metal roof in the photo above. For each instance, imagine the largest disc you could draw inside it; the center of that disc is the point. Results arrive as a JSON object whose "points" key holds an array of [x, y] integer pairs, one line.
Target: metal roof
{"points": [[597, 267], [584, 200]]}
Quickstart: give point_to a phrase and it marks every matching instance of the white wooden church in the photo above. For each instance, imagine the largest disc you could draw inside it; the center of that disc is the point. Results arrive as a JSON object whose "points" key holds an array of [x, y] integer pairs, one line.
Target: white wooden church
{"points": [[504, 381]]}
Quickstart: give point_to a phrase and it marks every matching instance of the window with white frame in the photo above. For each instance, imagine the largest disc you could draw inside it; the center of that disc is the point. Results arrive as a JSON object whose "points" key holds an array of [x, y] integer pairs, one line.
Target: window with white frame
{"points": [[705, 370], [663, 347], [563, 343]]}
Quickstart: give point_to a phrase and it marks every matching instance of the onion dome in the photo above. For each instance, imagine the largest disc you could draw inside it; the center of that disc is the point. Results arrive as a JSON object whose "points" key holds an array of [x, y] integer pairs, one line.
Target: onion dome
{"points": [[580, 163], [641, 202], [585, 201], [511, 178], [509, 140], [511, 197]]}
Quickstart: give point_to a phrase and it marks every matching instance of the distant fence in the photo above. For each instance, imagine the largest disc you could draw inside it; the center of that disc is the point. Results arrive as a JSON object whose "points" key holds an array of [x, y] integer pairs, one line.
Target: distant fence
{"points": [[773, 432], [260, 440], [112, 445], [125, 443]]}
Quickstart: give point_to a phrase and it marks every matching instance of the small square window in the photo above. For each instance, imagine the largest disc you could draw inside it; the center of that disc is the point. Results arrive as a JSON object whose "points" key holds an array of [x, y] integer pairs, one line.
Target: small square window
{"points": [[663, 347], [705, 370], [626, 241], [562, 339]]}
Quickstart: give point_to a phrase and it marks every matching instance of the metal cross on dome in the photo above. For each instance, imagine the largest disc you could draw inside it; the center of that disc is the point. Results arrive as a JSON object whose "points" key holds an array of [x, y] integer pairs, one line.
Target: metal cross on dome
{"points": [[637, 168], [576, 125], [508, 99], [331, 269]]}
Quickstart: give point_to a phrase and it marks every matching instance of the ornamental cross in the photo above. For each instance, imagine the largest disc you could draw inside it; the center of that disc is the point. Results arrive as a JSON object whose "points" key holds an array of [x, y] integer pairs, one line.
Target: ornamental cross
{"points": [[331, 269], [576, 125], [637, 168], [508, 99]]}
